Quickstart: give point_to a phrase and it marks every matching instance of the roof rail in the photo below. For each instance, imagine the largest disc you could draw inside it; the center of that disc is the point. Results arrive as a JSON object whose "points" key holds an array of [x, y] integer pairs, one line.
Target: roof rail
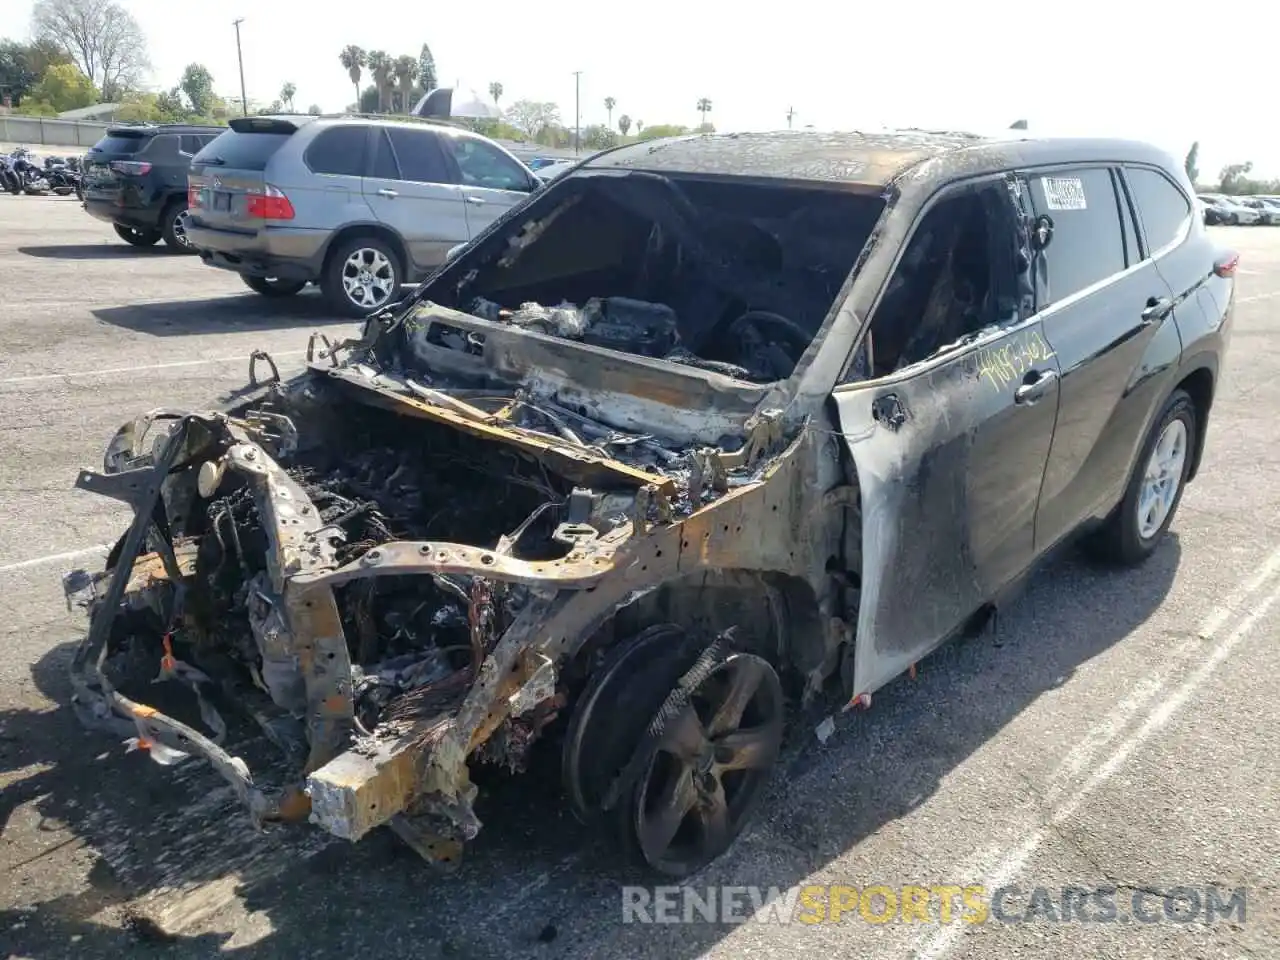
{"points": [[400, 117]]}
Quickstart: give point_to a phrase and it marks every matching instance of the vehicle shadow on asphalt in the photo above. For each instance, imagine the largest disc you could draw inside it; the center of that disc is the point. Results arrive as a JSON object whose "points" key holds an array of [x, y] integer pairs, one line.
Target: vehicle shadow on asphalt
{"points": [[247, 311], [535, 883], [99, 251]]}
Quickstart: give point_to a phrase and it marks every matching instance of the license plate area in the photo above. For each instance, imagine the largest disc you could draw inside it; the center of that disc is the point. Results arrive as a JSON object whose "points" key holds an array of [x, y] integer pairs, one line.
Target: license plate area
{"points": [[218, 201]]}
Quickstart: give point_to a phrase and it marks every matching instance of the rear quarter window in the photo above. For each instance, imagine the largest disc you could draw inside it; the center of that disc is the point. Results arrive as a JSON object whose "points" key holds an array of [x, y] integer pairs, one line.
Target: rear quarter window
{"points": [[1163, 208], [242, 151], [339, 151]]}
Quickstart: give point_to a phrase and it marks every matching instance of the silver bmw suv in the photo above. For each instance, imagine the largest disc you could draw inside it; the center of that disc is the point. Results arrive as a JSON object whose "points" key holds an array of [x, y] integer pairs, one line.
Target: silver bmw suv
{"points": [[357, 205]]}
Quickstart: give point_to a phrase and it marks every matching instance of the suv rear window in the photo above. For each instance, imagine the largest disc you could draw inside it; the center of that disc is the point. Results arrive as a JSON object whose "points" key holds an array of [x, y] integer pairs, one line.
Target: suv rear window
{"points": [[242, 151], [121, 144]]}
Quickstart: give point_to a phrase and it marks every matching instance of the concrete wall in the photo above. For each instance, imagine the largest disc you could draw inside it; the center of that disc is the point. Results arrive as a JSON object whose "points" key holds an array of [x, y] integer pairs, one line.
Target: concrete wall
{"points": [[55, 133]]}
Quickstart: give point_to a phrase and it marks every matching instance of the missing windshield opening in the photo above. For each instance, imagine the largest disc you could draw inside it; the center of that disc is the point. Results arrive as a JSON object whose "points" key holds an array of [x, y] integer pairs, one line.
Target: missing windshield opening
{"points": [[728, 276]]}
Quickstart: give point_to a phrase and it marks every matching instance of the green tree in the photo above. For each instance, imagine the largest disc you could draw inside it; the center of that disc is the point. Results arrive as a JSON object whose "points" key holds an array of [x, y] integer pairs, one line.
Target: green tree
{"points": [[609, 104], [599, 137], [170, 104], [101, 37], [23, 64], [64, 87], [370, 100], [1233, 175], [624, 124], [1193, 157], [287, 93], [704, 107], [495, 91], [1018, 125], [639, 127], [197, 84], [533, 116], [382, 68], [314, 110], [659, 130], [406, 71], [353, 59], [427, 70]]}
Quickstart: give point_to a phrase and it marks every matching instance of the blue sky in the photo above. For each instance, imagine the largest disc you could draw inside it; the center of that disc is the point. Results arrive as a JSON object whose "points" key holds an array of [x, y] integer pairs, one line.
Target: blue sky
{"points": [[1138, 69]]}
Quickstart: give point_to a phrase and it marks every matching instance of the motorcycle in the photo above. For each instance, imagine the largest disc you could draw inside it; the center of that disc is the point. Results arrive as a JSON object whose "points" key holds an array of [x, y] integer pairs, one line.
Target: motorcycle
{"points": [[31, 178], [63, 180], [10, 182]]}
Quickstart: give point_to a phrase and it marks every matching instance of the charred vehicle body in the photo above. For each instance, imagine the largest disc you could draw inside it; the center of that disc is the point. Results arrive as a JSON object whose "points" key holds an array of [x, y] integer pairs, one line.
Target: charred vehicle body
{"points": [[709, 425]]}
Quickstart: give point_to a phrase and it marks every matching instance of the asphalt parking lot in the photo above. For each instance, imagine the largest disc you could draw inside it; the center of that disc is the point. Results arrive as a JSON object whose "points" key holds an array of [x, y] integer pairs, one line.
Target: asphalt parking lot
{"points": [[1114, 731]]}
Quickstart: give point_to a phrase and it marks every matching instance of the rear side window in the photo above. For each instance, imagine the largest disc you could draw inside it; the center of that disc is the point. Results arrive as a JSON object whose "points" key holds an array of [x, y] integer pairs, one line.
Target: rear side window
{"points": [[1088, 243], [165, 145], [1164, 209], [242, 151], [121, 145], [419, 154], [339, 151], [190, 143], [484, 165]]}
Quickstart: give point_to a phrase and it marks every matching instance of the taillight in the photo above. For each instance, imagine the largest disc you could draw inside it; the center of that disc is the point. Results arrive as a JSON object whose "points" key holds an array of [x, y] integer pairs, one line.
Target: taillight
{"points": [[193, 196], [269, 204], [1226, 265], [134, 168]]}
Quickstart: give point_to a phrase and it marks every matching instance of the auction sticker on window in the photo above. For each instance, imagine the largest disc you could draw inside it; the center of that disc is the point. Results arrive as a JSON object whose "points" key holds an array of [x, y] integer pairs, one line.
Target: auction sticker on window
{"points": [[1064, 193]]}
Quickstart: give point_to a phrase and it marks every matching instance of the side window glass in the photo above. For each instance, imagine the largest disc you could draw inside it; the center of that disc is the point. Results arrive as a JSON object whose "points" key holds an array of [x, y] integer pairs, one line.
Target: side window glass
{"points": [[165, 145], [383, 166], [189, 143], [339, 151], [481, 165], [959, 274], [419, 154], [1087, 244], [1164, 209]]}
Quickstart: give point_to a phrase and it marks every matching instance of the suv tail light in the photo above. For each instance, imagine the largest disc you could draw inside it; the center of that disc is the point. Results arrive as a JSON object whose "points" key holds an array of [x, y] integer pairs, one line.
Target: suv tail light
{"points": [[134, 168], [1226, 264], [193, 197], [269, 204]]}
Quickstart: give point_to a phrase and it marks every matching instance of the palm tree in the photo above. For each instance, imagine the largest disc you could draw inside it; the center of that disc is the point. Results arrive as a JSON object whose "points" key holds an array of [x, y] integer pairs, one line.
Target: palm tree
{"points": [[639, 127], [382, 66], [495, 91], [286, 94], [353, 58], [406, 71], [624, 124], [609, 104], [704, 107]]}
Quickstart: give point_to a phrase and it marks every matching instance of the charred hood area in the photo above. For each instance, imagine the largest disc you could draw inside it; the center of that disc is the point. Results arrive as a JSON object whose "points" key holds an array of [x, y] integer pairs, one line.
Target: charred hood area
{"points": [[733, 276]]}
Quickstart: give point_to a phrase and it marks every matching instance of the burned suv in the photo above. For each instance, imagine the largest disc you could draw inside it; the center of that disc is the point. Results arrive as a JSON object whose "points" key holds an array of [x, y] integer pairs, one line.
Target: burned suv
{"points": [[710, 424]]}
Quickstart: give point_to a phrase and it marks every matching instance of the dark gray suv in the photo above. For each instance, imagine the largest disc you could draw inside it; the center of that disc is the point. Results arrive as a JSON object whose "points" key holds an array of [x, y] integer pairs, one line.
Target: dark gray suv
{"points": [[356, 205]]}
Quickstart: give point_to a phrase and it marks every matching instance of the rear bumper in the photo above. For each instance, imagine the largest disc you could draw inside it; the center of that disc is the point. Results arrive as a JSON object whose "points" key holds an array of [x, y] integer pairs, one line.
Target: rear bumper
{"points": [[117, 210], [284, 252]]}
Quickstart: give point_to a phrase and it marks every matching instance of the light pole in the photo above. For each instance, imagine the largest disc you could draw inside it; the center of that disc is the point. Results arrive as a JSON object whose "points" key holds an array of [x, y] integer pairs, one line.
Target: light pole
{"points": [[791, 112], [244, 101], [577, 112]]}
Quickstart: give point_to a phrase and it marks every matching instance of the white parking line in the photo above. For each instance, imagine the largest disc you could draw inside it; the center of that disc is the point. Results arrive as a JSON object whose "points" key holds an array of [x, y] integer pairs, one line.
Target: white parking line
{"points": [[55, 557], [174, 364], [940, 943], [1258, 296]]}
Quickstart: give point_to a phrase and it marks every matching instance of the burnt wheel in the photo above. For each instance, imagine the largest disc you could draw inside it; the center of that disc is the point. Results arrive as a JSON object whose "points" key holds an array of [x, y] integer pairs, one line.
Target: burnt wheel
{"points": [[701, 753]]}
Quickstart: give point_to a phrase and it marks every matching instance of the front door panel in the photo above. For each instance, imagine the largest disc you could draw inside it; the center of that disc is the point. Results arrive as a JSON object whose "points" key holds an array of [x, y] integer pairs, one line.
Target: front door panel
{"points": [[950, 462]]}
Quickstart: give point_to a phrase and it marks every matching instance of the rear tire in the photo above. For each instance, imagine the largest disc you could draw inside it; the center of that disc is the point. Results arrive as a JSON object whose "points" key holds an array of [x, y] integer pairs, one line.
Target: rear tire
{"points": [[362, 276], [174, 230], [273, 286], [137, 238], [1136, 527]]}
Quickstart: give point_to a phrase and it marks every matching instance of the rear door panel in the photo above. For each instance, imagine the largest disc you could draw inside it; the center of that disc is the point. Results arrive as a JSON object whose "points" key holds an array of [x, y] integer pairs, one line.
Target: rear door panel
{"points": [[1111, 349], [950, 466], [405, 191], [492, 182]]}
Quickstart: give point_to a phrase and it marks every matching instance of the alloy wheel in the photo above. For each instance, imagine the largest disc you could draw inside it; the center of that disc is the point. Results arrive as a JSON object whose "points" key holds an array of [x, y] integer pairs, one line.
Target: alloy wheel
{"points": [[368, 278], [1162, 479]]}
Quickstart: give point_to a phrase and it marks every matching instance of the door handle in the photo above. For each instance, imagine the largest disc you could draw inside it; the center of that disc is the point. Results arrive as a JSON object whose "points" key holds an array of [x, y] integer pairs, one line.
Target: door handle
{"points": [[387, 192], [1157, 309], [1033, 391], [478, 201]]}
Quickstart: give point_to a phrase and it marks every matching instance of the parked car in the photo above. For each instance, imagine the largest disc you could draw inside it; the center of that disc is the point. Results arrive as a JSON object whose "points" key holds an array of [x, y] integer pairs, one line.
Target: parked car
{"points": [[1230, 210], [356, 205], [550, 171], [1267, 214], [704, 424], [135, 178]]}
